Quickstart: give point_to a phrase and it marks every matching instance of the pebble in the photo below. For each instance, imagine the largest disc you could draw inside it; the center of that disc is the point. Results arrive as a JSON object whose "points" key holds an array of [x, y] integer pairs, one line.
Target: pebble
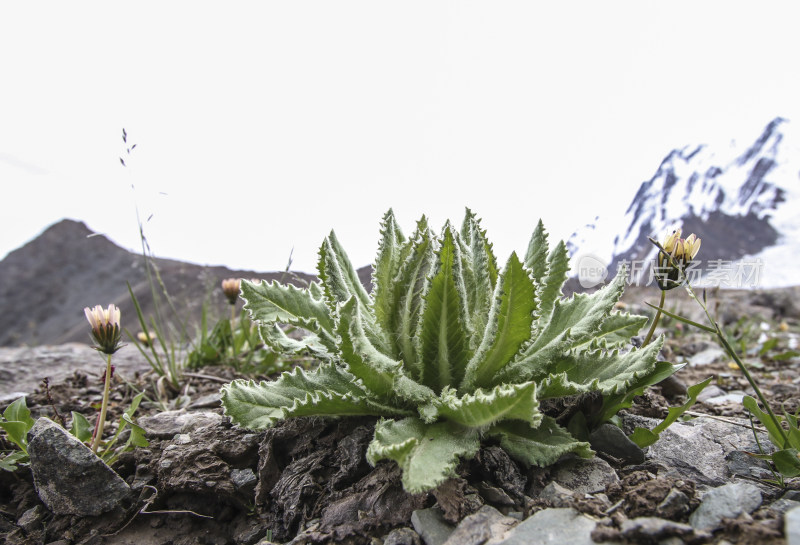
{"points": [[791, 526], [611, 440], [728, 501], [486, 525], [553, 526], [431, 526], [168, 424], [709, 355], [585, 476]]}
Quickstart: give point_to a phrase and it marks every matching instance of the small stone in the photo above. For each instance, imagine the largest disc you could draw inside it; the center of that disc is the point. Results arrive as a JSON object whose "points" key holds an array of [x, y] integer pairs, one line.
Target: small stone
{"points": [[648, 529], [674, 506], [553, 526], [733, 398], [611, 440], [244, 480], [168, 424], [210, 401], [32, 518], [709, 355], [484, 525], [791, 526], [431, 526], [728, 501], [556, 495], [585, 476], [782, 506], [69, 478], [402, 536], [672, 386], [742, 464], [712, 390]]}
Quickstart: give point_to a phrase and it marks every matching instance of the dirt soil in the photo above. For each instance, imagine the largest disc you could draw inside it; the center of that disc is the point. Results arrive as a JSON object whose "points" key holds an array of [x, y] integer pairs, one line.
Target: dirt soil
{"points": [[313, 484]]}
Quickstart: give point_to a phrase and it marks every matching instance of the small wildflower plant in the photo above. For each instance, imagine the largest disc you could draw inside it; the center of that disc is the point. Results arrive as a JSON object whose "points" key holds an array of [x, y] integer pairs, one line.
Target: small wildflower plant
{"points": [[448, 350], [107, 335]]}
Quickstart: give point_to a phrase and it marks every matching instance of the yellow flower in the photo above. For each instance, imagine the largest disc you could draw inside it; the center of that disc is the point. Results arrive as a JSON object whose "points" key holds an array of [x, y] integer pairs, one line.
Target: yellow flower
{"points": [[145, 337], [230, 287], [676, 255], [105, 327]]}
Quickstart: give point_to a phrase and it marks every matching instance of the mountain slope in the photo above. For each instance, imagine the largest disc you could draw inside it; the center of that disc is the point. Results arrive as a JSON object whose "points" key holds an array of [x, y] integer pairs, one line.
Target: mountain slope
{"points": [[45, 284], [743, 202]]}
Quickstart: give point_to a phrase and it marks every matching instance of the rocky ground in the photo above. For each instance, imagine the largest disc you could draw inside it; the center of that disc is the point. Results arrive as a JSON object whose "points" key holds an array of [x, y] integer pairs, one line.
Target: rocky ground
{"points": [[200, 480]]}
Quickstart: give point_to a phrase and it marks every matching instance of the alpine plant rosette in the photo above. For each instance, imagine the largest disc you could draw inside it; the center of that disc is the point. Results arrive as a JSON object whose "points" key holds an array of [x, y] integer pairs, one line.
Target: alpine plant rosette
{"points": [[448, 350]]}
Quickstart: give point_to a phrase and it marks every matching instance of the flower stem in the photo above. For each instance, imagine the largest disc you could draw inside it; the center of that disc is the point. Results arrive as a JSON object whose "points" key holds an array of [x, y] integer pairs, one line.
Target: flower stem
{"points": [[739, 363], [103, 408], [655, 320]]}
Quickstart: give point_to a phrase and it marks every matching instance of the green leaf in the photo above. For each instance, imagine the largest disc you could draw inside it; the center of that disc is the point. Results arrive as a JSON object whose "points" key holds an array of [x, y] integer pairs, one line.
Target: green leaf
{"points": [[443, 346], [428, 454], [18, 412], [275, 337], [774, 432], [606, 372], [536, 256], [557, 267], [270, 303], [380, 374], [409, 286], [325, 391], [613, 403], [644, 437], [572, 323], [17, 433], [391, 251], [339, 279], [80, 428], [787, 462], [481, 409], [9, 463], [509, 325], [539, 446], [137, 436], [480, 274]]}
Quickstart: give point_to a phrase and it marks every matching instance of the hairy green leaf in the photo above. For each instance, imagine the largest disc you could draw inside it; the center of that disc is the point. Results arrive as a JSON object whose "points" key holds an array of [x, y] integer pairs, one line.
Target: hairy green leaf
{"points": [[540, 446], [443, 346], [427, 453], [478, 410], [509, 325], [326, 391]]}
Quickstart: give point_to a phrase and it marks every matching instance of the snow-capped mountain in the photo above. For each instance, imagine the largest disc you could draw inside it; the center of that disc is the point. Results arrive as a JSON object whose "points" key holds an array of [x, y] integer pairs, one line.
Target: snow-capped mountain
{"points": [[743, 202]]}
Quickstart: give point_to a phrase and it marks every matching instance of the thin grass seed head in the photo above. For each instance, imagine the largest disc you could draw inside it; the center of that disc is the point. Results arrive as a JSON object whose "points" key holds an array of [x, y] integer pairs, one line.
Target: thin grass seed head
{"points": [[676, 255], [106, 330], [230, 287]]}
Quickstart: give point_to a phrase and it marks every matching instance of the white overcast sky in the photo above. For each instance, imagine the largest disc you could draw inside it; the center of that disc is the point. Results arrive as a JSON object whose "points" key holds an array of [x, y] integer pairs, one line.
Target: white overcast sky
{"points": [[262, 125]]}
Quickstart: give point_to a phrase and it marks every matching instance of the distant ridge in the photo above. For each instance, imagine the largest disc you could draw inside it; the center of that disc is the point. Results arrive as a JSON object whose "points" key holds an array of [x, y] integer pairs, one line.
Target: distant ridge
{"points": [[45, 284]]}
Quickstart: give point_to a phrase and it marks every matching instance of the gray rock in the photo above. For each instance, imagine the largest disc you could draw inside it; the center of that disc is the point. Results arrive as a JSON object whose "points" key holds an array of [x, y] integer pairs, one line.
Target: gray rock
{"points": [[32, 519], [742, 464], [791, 526], [244, 480], [168, 424], [709, 355], [557, 495], [783, 505], [675, 505], [486, 525], [210, 401], [68, 477], [727, 501], [732, 397], [712, 390], [585, 476], [431, 526], [696, 450], [649, 529], [611, 440], [556, 526], [402, 536]]}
